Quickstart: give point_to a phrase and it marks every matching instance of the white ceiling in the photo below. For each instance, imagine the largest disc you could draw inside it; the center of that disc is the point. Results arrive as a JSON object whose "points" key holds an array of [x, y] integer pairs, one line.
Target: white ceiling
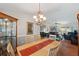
{"points": [[27, 8], [31, 8], [51, 10]]}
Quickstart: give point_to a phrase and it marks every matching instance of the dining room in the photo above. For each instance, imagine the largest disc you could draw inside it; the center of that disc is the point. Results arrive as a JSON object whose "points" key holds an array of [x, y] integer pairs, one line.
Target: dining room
{"points": [[39, 29]]}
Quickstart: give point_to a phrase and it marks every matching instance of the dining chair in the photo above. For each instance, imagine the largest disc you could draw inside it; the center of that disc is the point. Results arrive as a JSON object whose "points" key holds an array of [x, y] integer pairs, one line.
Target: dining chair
{"points": [[54, 51], [10, 50]]}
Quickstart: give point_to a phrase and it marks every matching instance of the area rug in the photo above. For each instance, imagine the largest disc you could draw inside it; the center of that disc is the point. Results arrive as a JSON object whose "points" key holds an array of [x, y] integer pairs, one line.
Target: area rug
{"points": [[30, 50]]}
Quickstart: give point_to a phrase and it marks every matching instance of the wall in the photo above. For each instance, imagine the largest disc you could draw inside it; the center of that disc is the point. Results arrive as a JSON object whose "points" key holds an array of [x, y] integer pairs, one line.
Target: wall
{"points": [[22, 27], [66, 13]]}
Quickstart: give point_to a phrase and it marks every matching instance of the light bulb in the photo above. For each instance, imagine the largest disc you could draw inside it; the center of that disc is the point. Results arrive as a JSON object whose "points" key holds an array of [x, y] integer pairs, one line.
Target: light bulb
{"points": [[41, 16], [6, 19], [44, 18], [34, 17], [8, 23]]}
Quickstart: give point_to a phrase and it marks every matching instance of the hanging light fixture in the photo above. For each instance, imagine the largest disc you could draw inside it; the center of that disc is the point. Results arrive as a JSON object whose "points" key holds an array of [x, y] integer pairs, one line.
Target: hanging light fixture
{"points": [[39, 18]]}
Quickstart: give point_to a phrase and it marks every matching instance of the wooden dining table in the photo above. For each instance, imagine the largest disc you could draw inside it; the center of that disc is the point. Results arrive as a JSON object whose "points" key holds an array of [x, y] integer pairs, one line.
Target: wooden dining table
{"points": [[44, 51]]}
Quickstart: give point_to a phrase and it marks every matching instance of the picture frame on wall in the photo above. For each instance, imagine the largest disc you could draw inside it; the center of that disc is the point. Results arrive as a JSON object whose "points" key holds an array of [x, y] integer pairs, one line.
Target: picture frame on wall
{"points": [[29, 28]]}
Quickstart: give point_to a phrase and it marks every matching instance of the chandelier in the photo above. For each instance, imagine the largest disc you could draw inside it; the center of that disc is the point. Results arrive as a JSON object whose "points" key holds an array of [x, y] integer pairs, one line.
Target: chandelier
{"points": [[39, 17]]}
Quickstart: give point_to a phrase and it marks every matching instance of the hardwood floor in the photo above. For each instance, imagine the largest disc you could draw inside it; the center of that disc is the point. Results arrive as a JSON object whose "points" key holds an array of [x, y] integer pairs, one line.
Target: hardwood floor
{"points": [[67, 49]]}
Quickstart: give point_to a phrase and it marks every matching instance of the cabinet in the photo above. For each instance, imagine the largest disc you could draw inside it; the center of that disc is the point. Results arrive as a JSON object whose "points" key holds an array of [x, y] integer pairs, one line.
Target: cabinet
{"points": [[8, 30]]}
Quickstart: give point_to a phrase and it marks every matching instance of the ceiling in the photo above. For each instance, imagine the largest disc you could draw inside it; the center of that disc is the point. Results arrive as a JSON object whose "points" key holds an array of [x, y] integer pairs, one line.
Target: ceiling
{"points": [[51, 10], [27, 8], [31, 8]]}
